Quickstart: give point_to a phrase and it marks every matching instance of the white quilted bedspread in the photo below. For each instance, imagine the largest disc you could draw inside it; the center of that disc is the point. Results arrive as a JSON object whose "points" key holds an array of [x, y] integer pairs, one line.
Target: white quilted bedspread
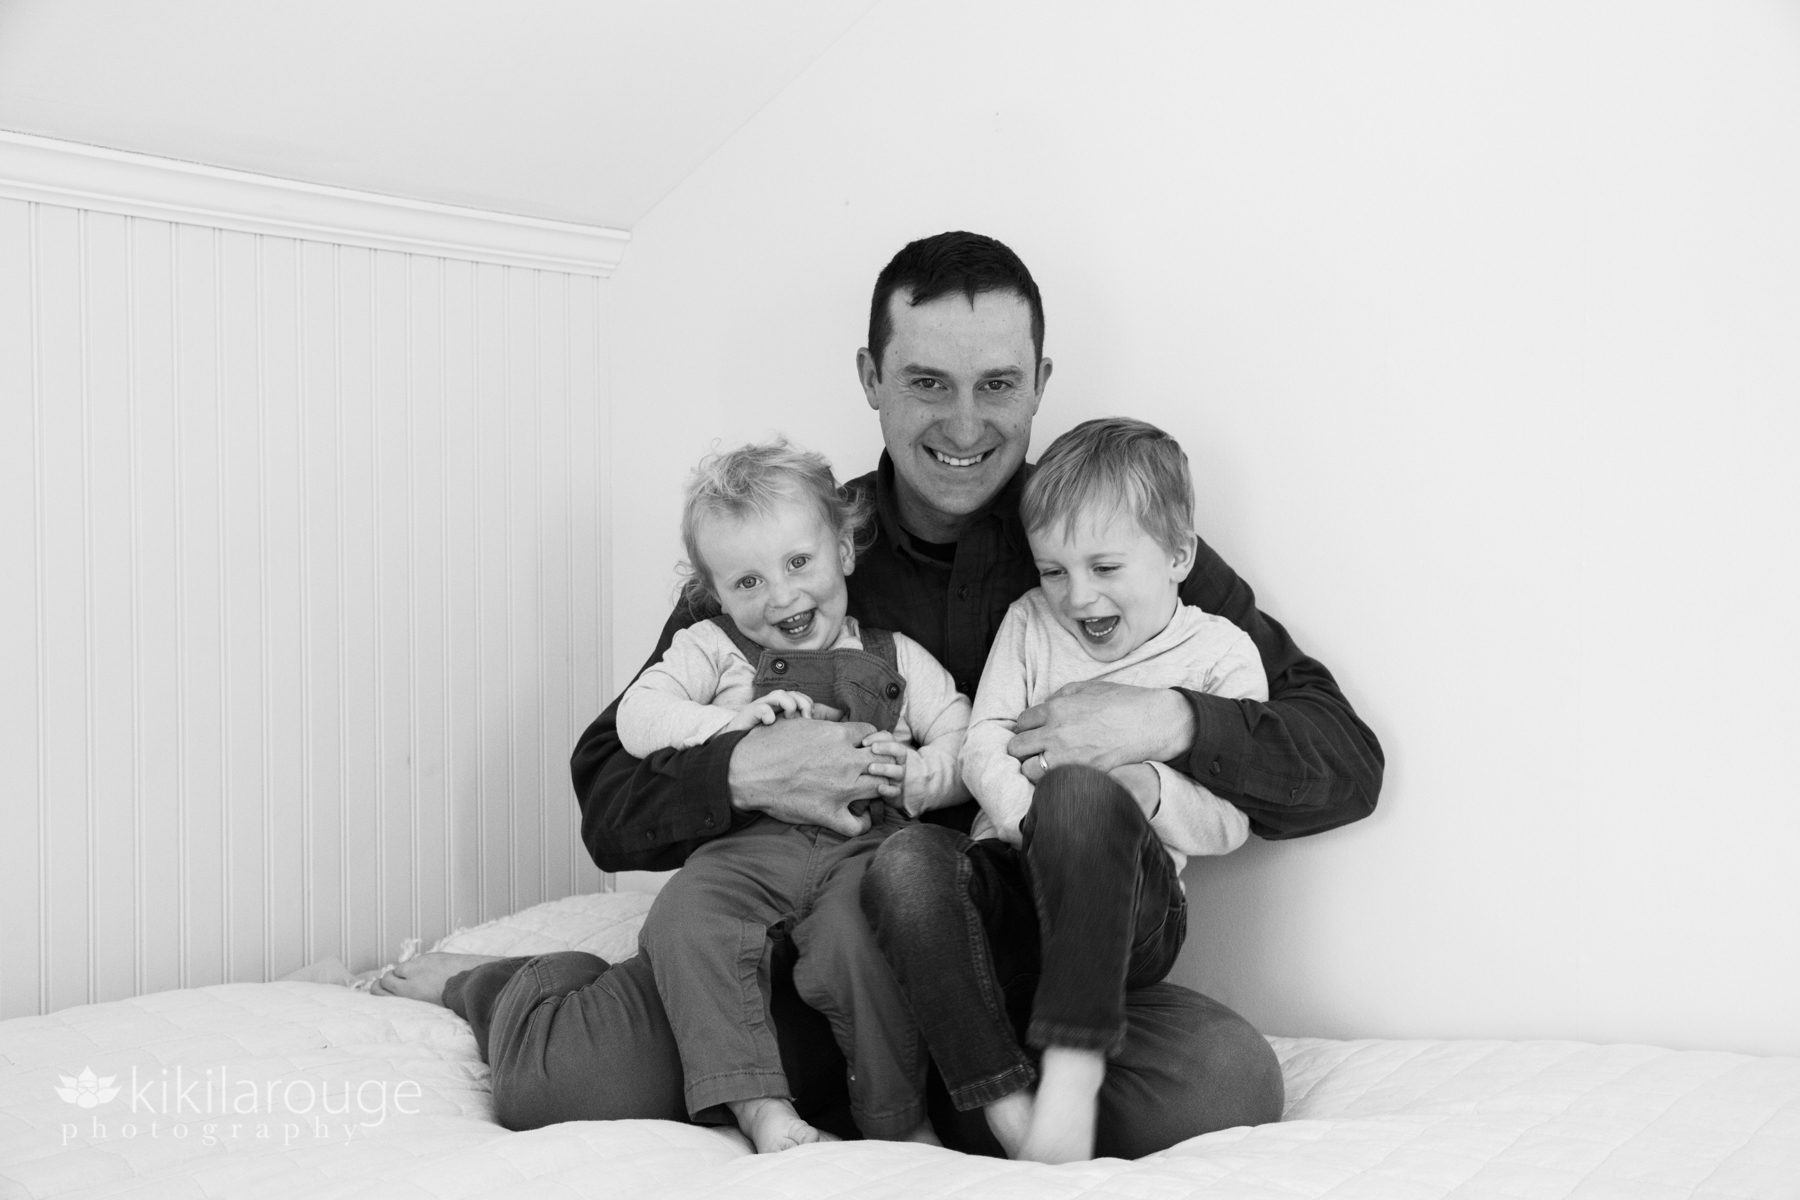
{"points": [[316, 1072]]}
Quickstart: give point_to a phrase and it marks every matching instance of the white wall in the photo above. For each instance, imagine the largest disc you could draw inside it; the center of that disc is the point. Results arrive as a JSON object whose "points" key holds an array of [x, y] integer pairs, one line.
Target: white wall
{"points": [[1481, 324], [302, 615]]}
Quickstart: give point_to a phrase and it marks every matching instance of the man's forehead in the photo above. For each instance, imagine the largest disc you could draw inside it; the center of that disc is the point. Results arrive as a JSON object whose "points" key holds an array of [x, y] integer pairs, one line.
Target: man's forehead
{"points": [[994, 326]]}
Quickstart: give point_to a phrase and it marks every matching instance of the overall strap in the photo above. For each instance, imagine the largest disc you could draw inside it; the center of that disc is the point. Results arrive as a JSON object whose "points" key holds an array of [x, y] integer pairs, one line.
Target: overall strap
{"points": [[749, 649], [880, 643]]}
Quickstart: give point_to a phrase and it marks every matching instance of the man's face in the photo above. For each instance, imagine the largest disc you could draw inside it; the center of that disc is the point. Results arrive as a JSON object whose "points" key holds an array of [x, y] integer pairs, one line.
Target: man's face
{"points": [[958, 386]]}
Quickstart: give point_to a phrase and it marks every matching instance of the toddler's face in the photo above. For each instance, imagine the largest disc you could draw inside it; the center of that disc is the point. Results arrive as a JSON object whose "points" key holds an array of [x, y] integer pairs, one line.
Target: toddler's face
{"points": [[780, 576], [1109, 582]]}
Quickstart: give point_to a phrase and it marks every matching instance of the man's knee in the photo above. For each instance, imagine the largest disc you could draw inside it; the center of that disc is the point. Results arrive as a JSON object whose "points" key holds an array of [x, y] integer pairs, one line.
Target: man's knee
{"points": [[1189, 1066]]}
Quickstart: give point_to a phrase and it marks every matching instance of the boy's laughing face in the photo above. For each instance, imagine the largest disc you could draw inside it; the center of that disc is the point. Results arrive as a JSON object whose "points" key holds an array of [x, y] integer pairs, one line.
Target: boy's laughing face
{"points": [[1110, 584]]}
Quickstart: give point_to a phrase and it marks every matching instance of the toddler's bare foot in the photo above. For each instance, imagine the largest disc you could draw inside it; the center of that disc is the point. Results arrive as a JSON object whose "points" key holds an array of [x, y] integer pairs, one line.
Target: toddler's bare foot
{"points": [[772, 1125], [424, 977], [1066, 1107], [1009, 1119]]}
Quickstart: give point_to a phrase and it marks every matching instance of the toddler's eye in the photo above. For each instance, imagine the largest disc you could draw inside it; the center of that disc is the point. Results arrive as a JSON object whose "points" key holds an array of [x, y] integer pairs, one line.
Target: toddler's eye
{"points": [[746, 583], [798, 561]]}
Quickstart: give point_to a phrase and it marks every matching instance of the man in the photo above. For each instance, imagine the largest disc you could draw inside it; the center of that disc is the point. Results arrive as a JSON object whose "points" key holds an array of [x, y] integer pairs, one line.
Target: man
{"points": [[955, 371]]}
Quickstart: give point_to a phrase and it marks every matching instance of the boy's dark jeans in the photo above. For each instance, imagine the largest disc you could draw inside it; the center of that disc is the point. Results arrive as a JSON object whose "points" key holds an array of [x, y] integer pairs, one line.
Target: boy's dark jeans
{"points": [[1054, 937]]}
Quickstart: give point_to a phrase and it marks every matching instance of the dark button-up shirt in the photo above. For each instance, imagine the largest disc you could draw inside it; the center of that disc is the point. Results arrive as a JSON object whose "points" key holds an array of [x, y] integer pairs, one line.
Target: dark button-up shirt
{"points": [[1300, 762]]}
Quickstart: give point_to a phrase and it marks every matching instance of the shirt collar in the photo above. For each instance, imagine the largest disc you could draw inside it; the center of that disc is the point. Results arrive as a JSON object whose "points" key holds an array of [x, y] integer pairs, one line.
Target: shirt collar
{"points": [[1002, 511]]}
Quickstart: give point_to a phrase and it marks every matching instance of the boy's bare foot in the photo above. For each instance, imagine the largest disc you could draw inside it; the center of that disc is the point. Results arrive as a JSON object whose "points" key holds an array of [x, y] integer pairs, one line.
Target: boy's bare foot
{"points": [[424, 977], [1009, 1119], [1066, 1107], [772, 1125]]}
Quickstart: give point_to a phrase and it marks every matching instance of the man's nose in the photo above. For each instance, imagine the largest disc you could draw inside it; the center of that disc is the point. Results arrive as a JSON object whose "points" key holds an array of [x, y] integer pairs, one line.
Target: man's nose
{"points": [[962, 424]]}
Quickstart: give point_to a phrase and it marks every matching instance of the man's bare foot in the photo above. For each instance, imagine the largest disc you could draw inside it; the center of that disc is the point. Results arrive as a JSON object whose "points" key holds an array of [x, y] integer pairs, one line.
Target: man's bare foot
{"points": [[424, 977], [1066, 1107], [1009, 1119], [771, 1124]]}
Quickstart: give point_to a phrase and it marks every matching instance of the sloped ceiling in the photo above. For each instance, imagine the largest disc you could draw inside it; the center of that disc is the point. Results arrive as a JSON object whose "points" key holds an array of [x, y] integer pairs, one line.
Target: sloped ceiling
{"points": [[575, 110]]}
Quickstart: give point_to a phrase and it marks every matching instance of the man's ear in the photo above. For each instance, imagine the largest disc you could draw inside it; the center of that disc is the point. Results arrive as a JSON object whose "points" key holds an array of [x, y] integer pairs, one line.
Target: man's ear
{"points": [[1183, 561], [868, 373], [1043, 376]]}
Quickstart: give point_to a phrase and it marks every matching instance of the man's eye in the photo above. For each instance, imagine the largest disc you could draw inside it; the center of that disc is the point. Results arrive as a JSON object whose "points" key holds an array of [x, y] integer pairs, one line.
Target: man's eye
{"points": [[996, 385], [925, 383], [798, 561]]}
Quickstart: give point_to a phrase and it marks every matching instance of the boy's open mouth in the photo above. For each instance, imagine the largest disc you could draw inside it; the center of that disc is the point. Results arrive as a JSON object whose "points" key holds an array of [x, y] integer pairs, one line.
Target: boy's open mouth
{"points": [[798, 625], [1098, 629]]}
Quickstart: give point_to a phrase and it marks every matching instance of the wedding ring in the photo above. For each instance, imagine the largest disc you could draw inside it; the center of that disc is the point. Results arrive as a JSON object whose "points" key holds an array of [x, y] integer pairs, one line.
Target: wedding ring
{"points": [[1043, 760]]}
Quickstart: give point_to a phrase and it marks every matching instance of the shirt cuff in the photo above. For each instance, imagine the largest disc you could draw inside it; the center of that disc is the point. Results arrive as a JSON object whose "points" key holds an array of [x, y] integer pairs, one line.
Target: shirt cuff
{"points": [[706, 782], [1221, 744]]}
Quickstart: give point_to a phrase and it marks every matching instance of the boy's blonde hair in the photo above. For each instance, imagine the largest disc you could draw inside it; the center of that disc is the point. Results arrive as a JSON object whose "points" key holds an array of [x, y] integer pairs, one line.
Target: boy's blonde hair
{"points": [[1110, 465], [751, 480]]}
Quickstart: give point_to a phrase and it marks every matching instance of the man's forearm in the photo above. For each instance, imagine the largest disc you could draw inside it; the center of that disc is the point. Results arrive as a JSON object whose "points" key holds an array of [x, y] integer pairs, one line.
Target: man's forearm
{"points": [[649, 814], [1301, 762], [1298, 764]]}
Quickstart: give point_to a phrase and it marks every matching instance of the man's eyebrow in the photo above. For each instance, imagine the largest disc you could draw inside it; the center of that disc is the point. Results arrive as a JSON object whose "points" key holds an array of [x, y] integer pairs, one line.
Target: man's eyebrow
{"points": [[1003, 373], [919, 369]]}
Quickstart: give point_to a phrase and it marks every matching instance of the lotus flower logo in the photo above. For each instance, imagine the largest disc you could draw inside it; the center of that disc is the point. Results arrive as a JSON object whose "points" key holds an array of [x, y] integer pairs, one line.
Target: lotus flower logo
{"points": [[87, 1089]]}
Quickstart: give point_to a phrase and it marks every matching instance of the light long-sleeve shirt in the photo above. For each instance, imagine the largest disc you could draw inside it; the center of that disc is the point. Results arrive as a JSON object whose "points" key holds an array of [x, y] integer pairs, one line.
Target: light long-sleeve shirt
{"points": [[695, 689], [1033, 656]]}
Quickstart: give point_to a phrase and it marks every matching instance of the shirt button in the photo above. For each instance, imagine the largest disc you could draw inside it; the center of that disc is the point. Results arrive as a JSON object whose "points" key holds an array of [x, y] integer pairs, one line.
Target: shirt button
{"points": [[780, 666], [1293, 793], [893, 691], [708, 822], [1213, 766], [962, 593]]}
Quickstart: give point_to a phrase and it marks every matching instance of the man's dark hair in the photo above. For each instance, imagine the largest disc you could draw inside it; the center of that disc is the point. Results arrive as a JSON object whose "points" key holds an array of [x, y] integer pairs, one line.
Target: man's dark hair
{"points": [[951, 262]]}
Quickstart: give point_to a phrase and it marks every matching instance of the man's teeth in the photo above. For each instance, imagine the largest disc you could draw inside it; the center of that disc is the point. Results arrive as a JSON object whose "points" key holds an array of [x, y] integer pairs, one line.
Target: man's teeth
{"points": [[950, 461], [1099, 628]]}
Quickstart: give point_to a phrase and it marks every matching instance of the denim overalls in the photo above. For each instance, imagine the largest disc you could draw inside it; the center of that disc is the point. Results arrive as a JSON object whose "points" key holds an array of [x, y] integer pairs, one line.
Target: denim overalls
{"points": [[708, 936]]}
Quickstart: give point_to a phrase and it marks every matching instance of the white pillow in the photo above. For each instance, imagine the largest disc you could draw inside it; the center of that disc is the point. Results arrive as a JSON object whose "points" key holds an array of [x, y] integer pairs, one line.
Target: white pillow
{"points": [[602, 923]]}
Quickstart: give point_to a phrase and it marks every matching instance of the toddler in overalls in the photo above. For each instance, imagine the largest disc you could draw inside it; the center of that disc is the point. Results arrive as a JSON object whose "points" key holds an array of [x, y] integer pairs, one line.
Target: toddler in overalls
{"points": [[770, 537]]}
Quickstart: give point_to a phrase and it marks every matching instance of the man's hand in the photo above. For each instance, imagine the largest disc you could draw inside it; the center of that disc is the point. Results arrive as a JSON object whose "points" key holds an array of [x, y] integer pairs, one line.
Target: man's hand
{"points": [[805, 773], [1102, 725]]}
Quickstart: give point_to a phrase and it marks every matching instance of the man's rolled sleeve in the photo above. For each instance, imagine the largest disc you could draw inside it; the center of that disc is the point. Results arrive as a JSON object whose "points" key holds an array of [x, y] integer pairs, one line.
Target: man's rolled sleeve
{"points": [[649, 814]]}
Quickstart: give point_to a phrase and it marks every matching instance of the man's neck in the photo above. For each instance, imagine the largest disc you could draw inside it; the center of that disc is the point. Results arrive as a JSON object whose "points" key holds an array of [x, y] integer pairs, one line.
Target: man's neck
{"points": [[926, 523]]}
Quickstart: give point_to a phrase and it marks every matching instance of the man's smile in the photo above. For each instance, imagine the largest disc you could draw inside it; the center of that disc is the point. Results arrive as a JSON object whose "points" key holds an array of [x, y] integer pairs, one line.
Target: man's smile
{"points": [[949, 460]]}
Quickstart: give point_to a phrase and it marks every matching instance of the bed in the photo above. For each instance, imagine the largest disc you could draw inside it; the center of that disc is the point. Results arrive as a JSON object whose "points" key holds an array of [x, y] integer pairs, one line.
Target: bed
{"points": [[317, 1089]]}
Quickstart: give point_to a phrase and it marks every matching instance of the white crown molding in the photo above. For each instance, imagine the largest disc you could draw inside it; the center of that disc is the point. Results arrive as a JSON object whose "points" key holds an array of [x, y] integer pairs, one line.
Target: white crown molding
{"points": [[47, 171]]}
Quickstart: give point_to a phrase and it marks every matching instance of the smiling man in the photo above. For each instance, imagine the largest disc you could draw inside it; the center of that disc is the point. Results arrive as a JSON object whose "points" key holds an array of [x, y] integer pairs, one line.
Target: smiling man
{"points": [[954, 368]]}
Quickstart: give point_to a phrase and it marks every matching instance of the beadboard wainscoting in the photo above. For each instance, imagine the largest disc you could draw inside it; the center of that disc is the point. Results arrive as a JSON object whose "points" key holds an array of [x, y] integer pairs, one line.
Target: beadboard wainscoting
{"points": [[304, 542]]}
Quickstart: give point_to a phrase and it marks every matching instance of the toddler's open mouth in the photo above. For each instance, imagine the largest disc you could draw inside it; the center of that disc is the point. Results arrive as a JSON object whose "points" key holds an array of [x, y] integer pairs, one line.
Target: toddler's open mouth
{"points": [[798, 625]]}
